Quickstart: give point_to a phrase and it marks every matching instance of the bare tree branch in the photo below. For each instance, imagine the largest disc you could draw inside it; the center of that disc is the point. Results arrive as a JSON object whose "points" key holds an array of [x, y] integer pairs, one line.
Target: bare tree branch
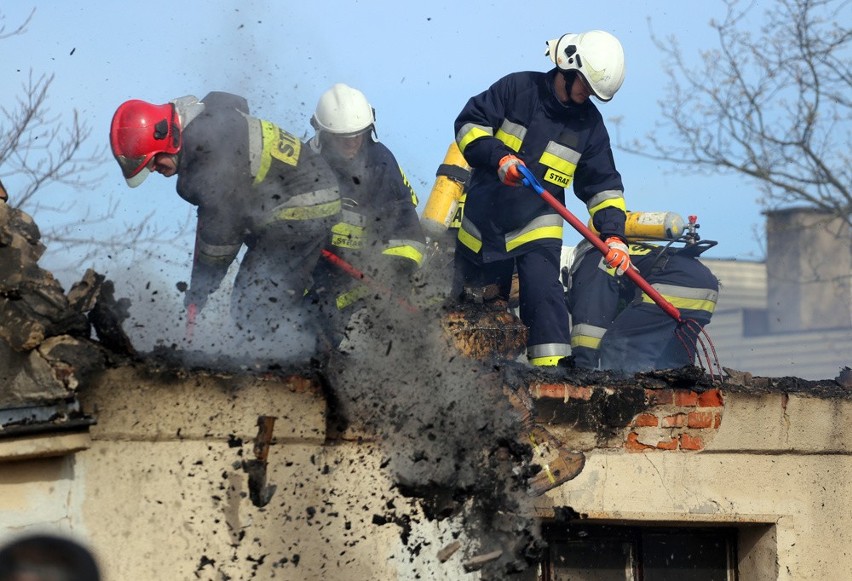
{"points": [[772, 105], [41, 150]]}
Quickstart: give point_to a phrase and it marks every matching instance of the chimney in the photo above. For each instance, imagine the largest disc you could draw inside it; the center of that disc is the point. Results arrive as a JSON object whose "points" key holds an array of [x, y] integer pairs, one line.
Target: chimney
{"points": [[809, 265]]}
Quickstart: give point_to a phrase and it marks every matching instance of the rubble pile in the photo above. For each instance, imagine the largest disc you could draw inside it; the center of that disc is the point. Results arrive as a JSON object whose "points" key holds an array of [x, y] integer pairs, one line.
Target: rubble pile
{"points": [[46, 344]]}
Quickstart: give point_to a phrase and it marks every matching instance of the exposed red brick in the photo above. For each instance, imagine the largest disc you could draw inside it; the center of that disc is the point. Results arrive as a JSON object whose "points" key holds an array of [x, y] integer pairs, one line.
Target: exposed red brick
{"points": [[712, 398], [685, 397], [561, 391], [646, 421], [578, 392], [670, 444], [674, 421], [659, 396], [299, 384], [699, 419], [632, 443], [551, 390], [718, 421], [688, 442]]}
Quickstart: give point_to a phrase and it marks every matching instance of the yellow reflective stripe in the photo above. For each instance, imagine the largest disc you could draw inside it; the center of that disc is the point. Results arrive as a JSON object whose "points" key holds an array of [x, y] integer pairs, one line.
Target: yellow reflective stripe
{"points": [[307, 212], [277, 144], [511, 141], [348, 298], [512, 134], [408, 185], [681, 303], [547, 226], [469, 235], [549, 361], [533, 235], [585, 341], [469, 240], [470, 132], [586, 335], [405, 251], [606, 199], [559, 164]]}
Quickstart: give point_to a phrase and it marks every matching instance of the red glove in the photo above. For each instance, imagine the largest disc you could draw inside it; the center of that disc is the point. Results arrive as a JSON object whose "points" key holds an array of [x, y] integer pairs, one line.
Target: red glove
{"points": [[618, 256], [508, 170]]}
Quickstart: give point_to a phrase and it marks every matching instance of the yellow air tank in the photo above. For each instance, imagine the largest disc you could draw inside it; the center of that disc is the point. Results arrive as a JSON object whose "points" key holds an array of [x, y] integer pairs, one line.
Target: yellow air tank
{"points": [[443, 201], [651, 226]]}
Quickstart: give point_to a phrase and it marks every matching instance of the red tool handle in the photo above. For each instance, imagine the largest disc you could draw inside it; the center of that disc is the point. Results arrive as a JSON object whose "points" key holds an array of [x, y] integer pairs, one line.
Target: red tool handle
{"points": [[633, 274], [191, 314], [358, 275]]}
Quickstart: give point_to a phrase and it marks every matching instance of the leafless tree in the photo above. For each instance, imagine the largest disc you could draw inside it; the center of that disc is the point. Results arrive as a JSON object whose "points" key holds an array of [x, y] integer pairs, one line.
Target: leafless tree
{"points": [[42, 149], [771, 102]]}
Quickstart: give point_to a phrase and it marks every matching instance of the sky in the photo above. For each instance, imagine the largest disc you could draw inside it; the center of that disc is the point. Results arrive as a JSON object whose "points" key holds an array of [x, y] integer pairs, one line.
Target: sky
{"points": [[417, 63]]}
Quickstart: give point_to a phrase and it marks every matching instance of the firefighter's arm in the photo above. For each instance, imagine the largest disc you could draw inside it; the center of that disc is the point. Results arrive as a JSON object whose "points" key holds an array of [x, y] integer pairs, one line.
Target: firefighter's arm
{"points": [[216, 247], [478, 125]]}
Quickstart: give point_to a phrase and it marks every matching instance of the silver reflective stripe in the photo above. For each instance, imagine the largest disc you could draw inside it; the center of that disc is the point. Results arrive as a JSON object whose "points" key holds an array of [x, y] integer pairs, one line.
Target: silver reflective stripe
{"points": [[548, 220], [603, 196], [418, 246], [255, 143], [586, 330], [548, 350], [563, 152], [687, 298], [313, 198], [218, 251], [471, 228], [188, 108], [469, 235], [511, 134], [410, 249], [685, 292], [353, 218], [470, 132]]}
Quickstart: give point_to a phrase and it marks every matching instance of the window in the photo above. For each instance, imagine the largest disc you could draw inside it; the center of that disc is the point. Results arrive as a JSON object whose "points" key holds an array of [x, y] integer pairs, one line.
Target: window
{"points": [[650, 553]]}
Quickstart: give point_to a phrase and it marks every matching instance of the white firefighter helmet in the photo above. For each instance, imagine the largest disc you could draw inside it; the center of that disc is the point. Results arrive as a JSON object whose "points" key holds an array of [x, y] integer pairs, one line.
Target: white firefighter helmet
{"points": [[597, 55], [344, 111]]}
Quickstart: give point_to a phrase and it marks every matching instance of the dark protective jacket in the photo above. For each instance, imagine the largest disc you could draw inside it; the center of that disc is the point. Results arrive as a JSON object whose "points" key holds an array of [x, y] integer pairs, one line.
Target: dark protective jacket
{"points": [[254, 184], [561, 144], [618, 327], [378, 231]]}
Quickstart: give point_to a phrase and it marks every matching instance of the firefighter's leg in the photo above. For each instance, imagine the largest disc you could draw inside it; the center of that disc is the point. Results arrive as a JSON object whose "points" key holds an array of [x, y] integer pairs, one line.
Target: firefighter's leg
{"points": [[558, 463], [593, 301], [542, 305], [480, 281]]}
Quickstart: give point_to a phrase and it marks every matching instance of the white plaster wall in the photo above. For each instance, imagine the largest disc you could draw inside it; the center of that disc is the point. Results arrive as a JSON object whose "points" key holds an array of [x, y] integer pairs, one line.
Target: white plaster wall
{"points": [[160, 494], [807, 496]]}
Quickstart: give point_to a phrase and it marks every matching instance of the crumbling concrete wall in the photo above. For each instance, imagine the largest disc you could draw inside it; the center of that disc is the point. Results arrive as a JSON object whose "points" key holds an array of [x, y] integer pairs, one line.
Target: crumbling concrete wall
{"points": [[161, 492], [773, 463]]}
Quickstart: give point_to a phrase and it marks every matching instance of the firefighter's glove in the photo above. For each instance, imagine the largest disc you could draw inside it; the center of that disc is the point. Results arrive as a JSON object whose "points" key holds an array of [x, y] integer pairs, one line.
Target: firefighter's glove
{"points": [[508, 170], [617, 256]]}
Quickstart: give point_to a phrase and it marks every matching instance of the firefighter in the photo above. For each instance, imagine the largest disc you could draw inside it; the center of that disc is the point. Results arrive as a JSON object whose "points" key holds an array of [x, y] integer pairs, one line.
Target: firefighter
{"points": [[378, 232], [617, 327], [254, 184], [546, 122]]}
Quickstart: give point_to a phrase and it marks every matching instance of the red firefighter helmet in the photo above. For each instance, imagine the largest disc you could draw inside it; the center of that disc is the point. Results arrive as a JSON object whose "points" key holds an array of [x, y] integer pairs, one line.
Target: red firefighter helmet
{"points": [[139, 131]]}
